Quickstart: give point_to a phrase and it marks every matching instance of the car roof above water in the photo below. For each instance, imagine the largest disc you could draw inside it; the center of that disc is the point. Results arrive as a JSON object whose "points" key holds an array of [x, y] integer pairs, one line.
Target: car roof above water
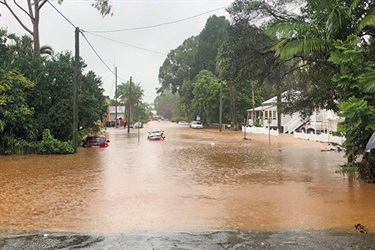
{"points": [[156, 130]]}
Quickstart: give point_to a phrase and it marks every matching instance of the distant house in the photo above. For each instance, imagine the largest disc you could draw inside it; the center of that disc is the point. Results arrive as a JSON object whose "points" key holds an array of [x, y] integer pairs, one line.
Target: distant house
{"points": [[266, 114], [112, 110], [321, 120]]}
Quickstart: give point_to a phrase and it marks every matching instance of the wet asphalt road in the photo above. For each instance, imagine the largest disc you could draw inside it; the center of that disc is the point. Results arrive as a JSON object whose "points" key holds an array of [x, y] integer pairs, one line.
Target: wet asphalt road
{"points": [[210, 240]]}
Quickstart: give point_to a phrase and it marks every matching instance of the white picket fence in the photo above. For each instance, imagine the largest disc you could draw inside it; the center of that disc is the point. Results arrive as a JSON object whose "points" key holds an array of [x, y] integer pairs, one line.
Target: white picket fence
{"points": [[260, 130], [321, 137]]}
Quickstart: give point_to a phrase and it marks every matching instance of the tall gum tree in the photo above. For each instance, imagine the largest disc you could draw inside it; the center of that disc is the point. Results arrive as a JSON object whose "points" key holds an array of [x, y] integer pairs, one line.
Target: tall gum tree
{"points": [[32, 8]]}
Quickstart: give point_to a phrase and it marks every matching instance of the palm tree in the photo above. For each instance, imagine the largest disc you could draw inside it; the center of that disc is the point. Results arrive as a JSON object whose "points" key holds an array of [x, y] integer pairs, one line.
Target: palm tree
{"points": [[130, 94], [46, 51], [368, 80]]}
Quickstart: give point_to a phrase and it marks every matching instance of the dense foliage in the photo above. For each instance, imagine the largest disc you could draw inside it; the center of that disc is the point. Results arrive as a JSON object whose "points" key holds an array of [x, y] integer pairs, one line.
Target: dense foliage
{"points": [[36, 94], [49, 145]]}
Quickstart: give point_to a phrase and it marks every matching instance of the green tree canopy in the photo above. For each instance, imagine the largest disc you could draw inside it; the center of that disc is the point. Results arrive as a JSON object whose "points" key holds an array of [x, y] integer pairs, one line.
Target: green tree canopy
{"points": [[15, 113], [48, 104], [178, 66], [207, 96]]}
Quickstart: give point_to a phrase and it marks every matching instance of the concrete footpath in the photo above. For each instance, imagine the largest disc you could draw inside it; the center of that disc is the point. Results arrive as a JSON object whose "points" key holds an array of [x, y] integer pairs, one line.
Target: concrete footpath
{"points": [[302, 239]]}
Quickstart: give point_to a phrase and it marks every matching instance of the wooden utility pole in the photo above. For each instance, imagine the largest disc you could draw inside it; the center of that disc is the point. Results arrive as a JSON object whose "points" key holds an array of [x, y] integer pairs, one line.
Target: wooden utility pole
{"points": [[116, 97], [253, 97], [130, 103], [75, 92], [221, 106]]}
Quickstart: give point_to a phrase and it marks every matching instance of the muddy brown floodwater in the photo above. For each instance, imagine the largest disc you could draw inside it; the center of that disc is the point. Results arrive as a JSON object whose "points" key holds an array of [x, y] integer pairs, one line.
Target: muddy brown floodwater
{"points": [[194, 180]]}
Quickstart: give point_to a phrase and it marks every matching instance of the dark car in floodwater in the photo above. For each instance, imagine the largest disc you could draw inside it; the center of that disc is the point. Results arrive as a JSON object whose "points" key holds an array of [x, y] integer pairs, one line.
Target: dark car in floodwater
{"points": [[156, 134], [95, 141]]}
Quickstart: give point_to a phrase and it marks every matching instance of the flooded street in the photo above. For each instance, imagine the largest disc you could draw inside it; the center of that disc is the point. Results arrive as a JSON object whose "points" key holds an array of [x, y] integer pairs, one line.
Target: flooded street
{"points": [[193, 180]]}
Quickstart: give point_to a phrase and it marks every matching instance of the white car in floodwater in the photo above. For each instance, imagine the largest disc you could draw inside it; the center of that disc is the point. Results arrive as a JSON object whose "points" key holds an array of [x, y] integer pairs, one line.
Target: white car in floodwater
{"points": [[183, 123], [196, 124]]}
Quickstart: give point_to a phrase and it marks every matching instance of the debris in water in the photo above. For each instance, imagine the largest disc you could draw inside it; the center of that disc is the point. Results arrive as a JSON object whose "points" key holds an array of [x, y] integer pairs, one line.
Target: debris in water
{"points": [[325, 150], [360, 228]]}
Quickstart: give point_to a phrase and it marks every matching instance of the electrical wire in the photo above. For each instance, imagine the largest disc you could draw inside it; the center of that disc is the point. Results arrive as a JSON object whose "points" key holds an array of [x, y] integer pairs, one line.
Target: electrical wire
{"points": [[94, 50], [135, 78], [139, 28], [133, 46], [62, 14], [157, 25], [96, 53]]}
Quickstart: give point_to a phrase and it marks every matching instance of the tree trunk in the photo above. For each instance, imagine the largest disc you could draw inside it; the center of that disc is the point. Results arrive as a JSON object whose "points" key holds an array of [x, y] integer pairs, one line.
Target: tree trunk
{"points": [[350, 158], [35, 22], [232, 95]]}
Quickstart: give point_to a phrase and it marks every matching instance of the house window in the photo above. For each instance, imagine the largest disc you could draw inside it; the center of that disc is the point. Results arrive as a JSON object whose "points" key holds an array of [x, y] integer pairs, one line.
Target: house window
{"points": [[274, 115], [265, 114]]}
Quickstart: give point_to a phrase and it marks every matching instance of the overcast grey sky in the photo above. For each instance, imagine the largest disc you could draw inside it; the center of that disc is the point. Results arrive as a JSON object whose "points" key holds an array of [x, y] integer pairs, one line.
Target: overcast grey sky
{"points": [[142, 65]]}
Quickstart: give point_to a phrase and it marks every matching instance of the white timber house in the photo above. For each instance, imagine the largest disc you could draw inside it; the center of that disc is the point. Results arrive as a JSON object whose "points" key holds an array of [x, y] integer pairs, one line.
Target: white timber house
{"points": [[263, 120]]}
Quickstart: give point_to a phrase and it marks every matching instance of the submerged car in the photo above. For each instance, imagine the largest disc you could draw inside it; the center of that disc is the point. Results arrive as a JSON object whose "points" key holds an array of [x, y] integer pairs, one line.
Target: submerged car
{"points": [[196, 124], [155, 134], [183, 123], [138, 125], [95, 141]]}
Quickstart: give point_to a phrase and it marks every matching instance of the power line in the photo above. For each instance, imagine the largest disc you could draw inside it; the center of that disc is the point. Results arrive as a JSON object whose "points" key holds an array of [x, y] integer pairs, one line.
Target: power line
{"points": [[93, 49], [127, 44], [157, 25], [97, 54], [61, 14], [135, 78]]}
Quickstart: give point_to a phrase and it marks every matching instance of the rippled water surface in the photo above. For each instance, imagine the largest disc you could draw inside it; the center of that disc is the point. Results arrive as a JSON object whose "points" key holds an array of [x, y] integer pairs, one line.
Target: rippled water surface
{"points": [[195, 179]]}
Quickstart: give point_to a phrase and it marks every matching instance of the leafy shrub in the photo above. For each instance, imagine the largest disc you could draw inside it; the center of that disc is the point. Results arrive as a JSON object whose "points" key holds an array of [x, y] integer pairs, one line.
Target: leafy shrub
{"points": [[11, 145], [357, 127], [348, 168], [257, 124], [50, 145]]}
